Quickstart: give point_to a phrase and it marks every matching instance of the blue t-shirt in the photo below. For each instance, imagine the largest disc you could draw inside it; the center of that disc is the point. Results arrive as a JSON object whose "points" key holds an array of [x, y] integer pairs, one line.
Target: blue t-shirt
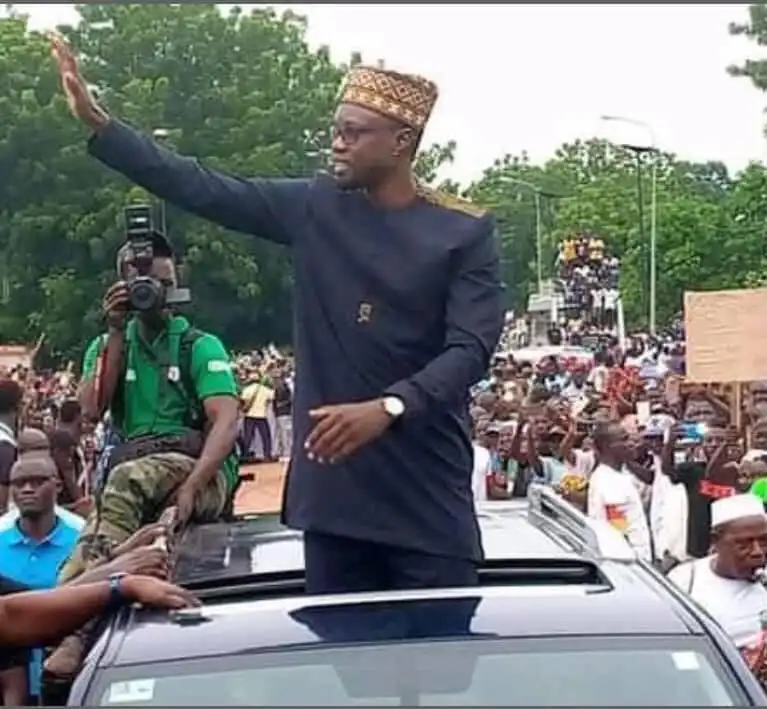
{"points": [[35, 564]]}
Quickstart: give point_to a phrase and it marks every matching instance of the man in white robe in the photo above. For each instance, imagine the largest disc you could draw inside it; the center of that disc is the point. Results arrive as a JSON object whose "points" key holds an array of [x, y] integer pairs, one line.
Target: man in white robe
{"points": [[729, 582]]}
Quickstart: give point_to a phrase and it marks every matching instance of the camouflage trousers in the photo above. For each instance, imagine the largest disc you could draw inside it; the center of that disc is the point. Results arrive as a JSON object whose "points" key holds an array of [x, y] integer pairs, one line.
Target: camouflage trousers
{"points": [[135, 494]]}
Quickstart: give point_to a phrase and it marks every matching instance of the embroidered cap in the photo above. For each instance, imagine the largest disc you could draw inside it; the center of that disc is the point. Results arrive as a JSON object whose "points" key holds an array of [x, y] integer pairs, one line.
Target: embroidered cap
{"points": [[404, 97], [736, 507]]}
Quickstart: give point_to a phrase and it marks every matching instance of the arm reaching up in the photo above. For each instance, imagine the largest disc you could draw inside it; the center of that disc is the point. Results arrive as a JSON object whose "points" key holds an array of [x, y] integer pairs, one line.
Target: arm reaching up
{"points": [[274, 209], [81, 101]]}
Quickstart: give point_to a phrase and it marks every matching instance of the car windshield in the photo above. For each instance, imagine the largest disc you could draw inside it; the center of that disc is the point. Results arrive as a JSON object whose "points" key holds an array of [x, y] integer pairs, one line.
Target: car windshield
{"points": [[498, 672]]}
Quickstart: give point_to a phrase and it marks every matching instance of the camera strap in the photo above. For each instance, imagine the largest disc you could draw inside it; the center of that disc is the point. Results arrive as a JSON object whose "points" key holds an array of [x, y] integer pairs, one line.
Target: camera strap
{"points": [[179, 359]]}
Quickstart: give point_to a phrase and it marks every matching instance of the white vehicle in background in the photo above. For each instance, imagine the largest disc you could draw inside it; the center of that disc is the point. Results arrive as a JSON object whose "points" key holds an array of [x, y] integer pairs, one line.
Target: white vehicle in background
{"points": [[547, 308], [534, 355]]}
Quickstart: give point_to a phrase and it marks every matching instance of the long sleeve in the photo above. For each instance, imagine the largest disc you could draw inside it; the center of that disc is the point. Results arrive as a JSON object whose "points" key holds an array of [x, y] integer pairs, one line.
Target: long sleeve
{"points": [[474, 320], [270, 208], [675, 511]]}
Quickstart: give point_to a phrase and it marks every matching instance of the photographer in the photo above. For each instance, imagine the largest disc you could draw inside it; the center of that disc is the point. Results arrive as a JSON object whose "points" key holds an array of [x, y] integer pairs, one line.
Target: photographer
{"points": [[171, 395]]}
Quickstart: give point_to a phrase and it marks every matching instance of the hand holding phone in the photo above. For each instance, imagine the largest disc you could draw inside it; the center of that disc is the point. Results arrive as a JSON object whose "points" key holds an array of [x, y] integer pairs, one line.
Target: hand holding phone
{"points": [[691, 432]]}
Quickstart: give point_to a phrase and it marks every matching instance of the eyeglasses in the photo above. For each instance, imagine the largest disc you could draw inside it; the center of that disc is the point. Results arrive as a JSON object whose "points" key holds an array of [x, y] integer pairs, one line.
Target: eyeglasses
{"points": [[350, 133]]}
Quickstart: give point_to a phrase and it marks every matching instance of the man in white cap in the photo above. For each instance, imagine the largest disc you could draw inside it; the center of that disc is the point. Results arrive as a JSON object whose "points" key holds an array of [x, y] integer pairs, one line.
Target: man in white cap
{"points": [[727, 582]]}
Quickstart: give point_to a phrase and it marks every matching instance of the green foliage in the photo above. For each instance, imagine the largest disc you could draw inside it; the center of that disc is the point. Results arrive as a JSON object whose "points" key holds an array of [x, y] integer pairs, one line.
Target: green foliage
{"points": [[710, 226], [243, 92], [754, 29]]}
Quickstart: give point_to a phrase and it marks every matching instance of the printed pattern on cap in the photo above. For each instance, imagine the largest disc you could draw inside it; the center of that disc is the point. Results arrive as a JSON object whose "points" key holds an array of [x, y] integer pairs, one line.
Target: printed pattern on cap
{"points": [[405, 97]]}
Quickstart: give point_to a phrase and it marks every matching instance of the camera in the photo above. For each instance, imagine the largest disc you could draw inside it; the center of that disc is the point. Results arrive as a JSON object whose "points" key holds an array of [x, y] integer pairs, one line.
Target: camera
{"points": [[145, 293]]}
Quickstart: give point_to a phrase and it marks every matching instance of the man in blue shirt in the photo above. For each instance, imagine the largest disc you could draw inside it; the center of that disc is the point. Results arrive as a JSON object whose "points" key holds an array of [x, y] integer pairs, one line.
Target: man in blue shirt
{"points": [[34, 547], [399, 307]]}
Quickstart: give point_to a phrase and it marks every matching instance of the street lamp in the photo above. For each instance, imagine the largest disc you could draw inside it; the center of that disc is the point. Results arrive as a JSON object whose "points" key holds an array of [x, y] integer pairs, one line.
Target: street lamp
{"points": [[538, 225], [638, 150]]}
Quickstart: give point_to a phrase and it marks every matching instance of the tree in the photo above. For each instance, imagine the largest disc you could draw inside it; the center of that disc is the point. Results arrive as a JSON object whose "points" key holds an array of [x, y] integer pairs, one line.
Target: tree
{"points": [[747, 204], [513, 206], [754, 29], [241, 91], [708, 223]]}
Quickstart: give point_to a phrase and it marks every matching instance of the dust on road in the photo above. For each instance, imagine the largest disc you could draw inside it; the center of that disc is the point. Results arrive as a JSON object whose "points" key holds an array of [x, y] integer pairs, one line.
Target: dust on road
{"points": [[264, 492]]}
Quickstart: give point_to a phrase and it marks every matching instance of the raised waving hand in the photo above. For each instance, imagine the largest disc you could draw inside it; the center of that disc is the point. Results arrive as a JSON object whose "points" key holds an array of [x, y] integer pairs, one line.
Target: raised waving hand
{"points": [[81, 102]]}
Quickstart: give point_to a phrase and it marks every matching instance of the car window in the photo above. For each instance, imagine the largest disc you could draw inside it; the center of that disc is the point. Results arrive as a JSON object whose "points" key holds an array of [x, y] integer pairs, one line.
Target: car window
{"points": [[548, 672]]}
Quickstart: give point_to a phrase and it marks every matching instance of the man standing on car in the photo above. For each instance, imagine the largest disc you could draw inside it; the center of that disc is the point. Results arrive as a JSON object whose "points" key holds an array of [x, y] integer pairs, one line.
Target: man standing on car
{"points": [[398, 303]]}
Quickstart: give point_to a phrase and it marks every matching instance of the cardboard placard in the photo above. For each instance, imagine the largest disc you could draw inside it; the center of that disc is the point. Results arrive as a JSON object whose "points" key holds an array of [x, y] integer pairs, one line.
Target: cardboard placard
{"points": [[725, 336]]}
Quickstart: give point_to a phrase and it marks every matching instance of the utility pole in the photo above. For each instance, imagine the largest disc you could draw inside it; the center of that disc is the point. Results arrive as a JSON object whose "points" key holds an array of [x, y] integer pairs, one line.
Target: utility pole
{"points": [[538, 225], [652, 148]]}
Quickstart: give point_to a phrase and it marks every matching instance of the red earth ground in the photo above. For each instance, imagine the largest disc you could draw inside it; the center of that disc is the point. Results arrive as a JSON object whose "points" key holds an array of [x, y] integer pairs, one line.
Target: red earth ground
{"points": [[264, 492]]}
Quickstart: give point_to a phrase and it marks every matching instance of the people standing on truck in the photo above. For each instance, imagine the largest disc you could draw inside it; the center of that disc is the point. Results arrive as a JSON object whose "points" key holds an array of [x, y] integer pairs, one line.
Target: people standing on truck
{"points": [[34, 547], [611, 308], [399, 307]]}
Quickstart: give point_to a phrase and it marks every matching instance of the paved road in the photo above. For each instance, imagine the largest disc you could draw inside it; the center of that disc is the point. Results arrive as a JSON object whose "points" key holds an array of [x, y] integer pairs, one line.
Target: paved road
{"points": [[264, 492]]}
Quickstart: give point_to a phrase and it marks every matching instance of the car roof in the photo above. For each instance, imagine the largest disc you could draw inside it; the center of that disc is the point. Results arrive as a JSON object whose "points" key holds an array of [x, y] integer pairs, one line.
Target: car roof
{"points": [[548, 571], [216, 553], [300, 622], [262, 544]]}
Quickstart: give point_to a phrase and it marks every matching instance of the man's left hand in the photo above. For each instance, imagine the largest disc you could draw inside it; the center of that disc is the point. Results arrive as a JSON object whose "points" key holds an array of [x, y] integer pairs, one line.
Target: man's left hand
{"points": [[341, 430]]}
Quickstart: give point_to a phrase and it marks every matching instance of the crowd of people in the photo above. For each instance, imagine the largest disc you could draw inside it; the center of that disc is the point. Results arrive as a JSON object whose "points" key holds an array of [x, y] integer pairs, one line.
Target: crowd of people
{"points": [[588, 278], [48, 401], [266, 381], [620, 436], [51, 475], [679, 470]]}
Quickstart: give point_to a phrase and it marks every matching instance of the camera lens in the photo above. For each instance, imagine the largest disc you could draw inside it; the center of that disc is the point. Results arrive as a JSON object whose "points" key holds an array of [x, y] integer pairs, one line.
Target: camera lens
{"points": [[144, 294]]}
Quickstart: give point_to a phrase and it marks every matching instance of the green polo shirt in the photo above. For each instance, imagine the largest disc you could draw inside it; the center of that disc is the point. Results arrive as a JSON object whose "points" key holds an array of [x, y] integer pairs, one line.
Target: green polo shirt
{"points": [[153, 403]]}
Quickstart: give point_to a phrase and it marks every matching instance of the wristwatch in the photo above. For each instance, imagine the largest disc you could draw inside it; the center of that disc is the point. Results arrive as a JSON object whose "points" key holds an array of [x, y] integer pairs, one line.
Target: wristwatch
{"points": [[393, 406], [116, 594]]}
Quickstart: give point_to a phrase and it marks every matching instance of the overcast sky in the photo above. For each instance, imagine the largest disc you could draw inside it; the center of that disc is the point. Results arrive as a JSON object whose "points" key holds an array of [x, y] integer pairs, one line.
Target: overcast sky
{"points": [[530, 77]]}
